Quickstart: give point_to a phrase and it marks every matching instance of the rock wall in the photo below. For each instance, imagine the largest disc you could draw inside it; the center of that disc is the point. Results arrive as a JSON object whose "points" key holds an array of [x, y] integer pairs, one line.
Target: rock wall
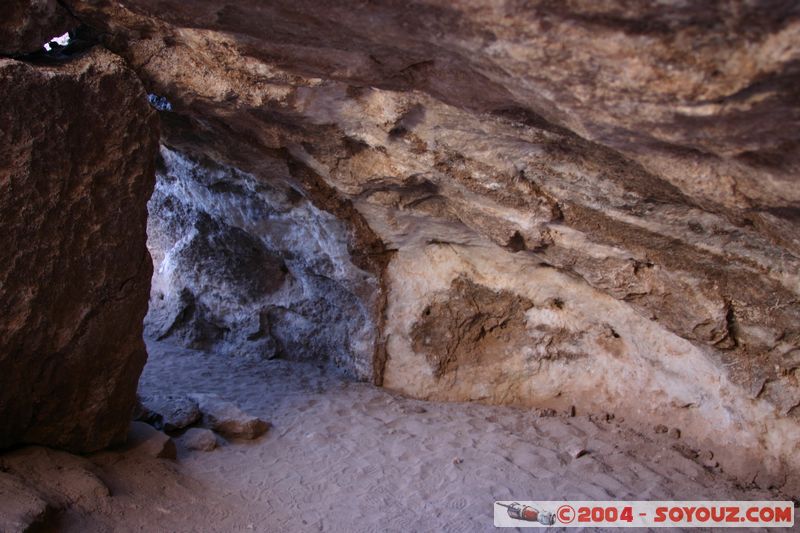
{"points": [[76, 168], [26, 25], [596, 200], [253, 269]]}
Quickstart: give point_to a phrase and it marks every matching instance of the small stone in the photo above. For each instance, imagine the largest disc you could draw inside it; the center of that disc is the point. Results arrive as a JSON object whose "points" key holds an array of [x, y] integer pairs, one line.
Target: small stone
{"points": [[457, 460], [147, 440], [139, 411], [675, 433], [170, 412], [660, 428], [413, 409], [226, 418], [578, 452], [576, 448], [200, 439]]}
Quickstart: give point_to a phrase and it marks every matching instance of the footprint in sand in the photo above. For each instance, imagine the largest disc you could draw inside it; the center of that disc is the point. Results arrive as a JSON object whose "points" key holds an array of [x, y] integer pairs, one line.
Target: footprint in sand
{"points": [[375, 501], [309, 404], [457, 503]]}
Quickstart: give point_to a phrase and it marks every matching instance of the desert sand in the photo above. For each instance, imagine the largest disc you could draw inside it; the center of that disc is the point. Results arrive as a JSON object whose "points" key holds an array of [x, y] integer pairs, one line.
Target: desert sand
{"points": [[343, 456]]}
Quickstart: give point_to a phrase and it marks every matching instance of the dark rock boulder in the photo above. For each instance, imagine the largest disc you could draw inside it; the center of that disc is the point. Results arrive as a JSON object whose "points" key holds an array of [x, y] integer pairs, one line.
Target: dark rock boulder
{"points": [[169, 412], [26, 25], [77, 151]]}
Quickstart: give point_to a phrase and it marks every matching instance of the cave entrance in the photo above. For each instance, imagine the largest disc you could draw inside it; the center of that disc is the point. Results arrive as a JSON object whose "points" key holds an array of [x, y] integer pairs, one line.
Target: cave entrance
{"points": [[248, 267]]}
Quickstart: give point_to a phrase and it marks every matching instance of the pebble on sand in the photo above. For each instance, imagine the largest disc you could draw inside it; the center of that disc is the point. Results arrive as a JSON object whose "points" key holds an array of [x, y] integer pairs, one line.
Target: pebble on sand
{"points": [[226, 418], [145, 439], [200, 439]]}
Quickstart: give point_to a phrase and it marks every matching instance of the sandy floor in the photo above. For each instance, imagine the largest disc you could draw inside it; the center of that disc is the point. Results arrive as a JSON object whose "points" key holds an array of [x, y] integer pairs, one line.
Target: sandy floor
{"points": [[348, 457]]}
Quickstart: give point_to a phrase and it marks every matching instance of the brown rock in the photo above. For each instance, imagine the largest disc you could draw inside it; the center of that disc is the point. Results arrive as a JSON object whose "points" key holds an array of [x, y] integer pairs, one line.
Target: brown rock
{"points": [[199, 439], [76, 168], [26, 25], [21, 507], [677, 65], [62, 479], [577, 449], [466, 324], [169, 411], [226, 418], [146, 440]]}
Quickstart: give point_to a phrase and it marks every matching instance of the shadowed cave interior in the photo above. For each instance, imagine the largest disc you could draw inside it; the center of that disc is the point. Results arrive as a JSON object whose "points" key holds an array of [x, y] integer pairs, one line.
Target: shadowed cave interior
{"points": [[346, 266]]}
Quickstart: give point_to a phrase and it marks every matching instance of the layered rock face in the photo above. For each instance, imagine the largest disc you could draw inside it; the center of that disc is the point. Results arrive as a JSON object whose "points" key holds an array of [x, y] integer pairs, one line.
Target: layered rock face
{"points": [[77, 149], [568, 203]]}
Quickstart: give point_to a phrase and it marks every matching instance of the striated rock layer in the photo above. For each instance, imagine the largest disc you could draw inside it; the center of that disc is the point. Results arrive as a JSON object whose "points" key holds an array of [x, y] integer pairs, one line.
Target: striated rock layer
{"points": [[580, 203], [77, 150]]}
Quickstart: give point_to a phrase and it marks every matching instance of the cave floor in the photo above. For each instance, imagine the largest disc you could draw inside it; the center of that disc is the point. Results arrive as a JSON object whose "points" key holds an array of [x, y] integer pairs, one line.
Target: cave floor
{"points": [[349, 457]]}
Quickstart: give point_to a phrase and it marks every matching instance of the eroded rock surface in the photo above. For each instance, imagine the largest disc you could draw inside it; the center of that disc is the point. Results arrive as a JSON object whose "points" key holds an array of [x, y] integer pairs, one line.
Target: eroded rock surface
{"points": [[253, 269], [26, 25], [168, 411], [77, 164], [469, 325], [627, 169]]}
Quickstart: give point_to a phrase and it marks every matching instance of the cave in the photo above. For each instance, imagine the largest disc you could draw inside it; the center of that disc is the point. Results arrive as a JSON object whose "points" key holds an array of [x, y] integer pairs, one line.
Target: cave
{"points": [[383, 266]]}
